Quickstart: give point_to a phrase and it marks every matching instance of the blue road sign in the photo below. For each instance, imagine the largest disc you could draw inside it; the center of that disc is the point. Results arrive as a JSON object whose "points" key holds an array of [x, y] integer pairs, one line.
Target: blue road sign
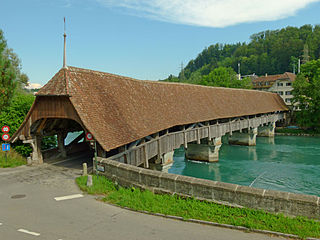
{"points": [[6, 147]]}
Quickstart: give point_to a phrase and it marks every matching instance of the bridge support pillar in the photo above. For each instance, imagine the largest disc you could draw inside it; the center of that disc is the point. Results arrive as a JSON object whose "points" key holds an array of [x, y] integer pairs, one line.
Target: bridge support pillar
{"points": [[36, 155], [267, 131], [246, 138], [162, 164], [61, 146], [208, 152]]}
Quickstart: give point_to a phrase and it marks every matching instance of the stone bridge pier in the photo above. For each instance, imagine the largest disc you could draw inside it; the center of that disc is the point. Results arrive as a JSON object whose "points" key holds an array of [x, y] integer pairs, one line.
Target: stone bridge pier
{"points": [[246, 137], [207, 150], [267, 131], [163, 163]]}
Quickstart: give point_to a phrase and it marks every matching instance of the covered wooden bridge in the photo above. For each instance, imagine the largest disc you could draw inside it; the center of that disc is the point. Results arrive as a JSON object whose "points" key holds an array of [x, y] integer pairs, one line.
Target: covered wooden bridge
{"points": [[141, 122]]}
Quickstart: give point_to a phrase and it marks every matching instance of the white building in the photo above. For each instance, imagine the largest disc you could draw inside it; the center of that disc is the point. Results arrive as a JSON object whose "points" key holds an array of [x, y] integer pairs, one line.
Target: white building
{"points": [[280, 83]]}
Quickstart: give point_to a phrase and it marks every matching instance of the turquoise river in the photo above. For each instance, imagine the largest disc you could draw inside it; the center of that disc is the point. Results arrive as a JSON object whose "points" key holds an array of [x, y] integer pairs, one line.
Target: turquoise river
{"points": [[285, 163]]}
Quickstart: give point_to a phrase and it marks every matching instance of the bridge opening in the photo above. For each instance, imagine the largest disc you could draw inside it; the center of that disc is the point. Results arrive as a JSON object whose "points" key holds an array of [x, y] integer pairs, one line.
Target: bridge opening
{"points": [[62, 142]]}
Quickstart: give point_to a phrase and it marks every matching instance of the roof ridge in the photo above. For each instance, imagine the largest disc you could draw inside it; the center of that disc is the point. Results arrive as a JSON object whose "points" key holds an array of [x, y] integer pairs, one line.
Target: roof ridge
{"points": [[63, 91], [74, 69]]}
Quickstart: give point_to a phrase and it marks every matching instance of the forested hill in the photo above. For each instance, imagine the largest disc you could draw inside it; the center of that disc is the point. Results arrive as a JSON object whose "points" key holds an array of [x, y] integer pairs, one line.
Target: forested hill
{"points": [[269, 52]]}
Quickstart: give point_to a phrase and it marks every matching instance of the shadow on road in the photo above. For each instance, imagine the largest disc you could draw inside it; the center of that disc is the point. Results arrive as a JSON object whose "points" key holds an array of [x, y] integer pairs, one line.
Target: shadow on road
{"points": [[74, 160]]}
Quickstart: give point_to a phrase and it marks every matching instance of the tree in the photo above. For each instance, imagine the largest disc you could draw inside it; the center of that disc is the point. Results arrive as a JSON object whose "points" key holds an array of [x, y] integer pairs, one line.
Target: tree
{"points": [[225, 77], [21, 78], [10, 73], [307, 94], [7, 75], [14, 114]]}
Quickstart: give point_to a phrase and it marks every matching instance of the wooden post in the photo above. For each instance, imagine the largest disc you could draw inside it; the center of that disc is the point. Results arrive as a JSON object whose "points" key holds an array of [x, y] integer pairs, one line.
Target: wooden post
{"points": [[209, 131], [125, 157], [145, 153], [185, 140], [159, 148], [218, 129], [36, 149], [61, 146], [198, 135]]}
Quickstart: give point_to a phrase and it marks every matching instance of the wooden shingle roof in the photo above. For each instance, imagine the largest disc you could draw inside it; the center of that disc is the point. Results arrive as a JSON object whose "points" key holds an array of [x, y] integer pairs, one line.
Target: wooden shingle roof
{"points": [[118, 110]]}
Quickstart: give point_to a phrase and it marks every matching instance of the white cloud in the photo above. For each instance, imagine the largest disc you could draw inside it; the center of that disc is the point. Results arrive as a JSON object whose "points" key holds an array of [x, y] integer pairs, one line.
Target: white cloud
{"points": [[210, 13], [33, 86]]}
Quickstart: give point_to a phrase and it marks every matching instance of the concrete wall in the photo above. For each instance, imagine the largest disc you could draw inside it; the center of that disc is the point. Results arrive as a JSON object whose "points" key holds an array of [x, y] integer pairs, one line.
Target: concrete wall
{"points": [[282, 90], [160, 182]]}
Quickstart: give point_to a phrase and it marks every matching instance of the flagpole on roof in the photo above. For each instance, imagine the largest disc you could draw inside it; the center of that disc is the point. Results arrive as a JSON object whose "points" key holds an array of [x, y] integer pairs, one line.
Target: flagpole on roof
{"points": [[64, 48]]}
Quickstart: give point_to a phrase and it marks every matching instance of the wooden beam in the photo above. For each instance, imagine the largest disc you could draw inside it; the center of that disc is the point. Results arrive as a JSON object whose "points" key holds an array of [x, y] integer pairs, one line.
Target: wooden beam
{"points": [[198, 136], [145, 153]]}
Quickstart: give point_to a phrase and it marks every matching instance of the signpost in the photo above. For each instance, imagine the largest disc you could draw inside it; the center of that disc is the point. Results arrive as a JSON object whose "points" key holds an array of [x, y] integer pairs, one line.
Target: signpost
{"points": [[89, 137], [5, 137], [5, 129], [5, 147]]}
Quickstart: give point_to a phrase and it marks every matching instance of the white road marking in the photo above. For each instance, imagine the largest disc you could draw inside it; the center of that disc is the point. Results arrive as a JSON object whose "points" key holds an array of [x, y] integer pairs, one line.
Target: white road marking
{"points": [[28, 232], [68, 197]]}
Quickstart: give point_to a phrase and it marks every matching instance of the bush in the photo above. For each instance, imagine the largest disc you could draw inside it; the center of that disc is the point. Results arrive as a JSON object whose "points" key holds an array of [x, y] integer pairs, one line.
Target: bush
{"points": [[14, 114]]}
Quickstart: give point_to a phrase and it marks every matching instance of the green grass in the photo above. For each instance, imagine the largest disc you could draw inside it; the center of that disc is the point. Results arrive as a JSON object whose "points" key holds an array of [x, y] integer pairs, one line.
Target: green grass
{"points": [[13, 159], [202, 210]]}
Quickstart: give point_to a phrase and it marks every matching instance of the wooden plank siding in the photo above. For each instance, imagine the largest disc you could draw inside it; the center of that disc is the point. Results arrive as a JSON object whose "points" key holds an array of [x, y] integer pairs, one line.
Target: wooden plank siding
{"points": [[171, 141], [47, 107]]}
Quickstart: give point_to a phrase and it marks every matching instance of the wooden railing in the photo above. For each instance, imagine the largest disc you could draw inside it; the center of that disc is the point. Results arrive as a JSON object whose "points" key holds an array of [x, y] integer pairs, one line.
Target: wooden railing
{"points": [[160, 145]]}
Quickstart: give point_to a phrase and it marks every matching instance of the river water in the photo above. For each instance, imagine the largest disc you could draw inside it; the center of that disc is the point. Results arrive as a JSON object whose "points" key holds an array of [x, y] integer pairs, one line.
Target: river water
{"points": [[285, 163]]}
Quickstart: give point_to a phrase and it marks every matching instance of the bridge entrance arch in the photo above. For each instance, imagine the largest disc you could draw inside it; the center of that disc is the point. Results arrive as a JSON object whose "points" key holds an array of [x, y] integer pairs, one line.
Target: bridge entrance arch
{"points": [[60, 141]]}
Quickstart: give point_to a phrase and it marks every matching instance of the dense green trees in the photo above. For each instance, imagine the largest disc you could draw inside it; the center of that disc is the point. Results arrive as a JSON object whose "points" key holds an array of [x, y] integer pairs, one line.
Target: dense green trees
{"points": [[271, 52], [14, 114], [307, 95], [225, 77], [7, 75], [10, 73], [14, 101]]}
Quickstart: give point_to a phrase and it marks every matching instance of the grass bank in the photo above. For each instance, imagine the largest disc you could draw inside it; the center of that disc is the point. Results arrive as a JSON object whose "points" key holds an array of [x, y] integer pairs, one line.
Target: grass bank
{"points": [[195, 209], [13, 159]]}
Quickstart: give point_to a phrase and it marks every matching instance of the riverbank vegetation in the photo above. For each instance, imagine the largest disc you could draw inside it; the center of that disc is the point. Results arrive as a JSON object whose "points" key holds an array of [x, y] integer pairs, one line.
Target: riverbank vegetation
{"points": [[297, 131], [195, 209]]}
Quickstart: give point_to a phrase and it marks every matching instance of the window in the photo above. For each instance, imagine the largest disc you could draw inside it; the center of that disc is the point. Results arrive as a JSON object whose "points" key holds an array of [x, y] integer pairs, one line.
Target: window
{"points": [[280, 84], [267, 83], [288, 100], [280, 93], [288, 84], [288, 93]]}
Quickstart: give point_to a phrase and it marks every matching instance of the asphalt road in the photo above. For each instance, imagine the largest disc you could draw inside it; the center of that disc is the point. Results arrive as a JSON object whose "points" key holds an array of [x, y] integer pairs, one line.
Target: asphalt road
{"points": [[29, 210]]}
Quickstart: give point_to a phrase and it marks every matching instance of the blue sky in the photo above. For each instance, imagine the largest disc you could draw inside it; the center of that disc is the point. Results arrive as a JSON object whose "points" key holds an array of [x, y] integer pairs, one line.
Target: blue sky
{"points": [[143, 39]]}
